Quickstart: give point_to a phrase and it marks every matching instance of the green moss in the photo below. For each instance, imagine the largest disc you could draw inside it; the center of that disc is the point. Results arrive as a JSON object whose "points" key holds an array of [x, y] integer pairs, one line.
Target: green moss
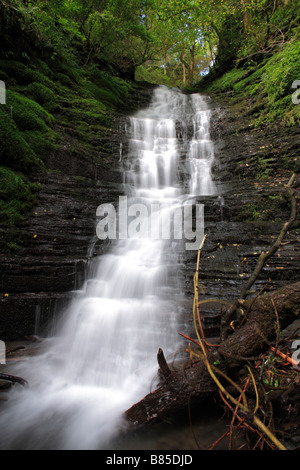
{"points": [[273, 207], [17, 195], [263, 168], [82, 102], [281, 70], [67, 68], [23, 74], [15, 152], [42, 67], [253, 213], [108, 89], [4, 76], [65, 80], [267, 85], [42, 95], [17, 70], [40, 142], [89, 110], [227, 81], [103, 95], [27, 114]]}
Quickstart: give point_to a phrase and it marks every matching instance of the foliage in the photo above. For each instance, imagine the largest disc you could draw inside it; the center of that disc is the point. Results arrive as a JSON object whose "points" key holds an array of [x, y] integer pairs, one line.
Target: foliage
{"points": [[267, 85], [75, 60], [15, 152], [42, 95], [185, 36], [117, 34], [106, 88], [28, 114], [40, 142], [155, 74]]}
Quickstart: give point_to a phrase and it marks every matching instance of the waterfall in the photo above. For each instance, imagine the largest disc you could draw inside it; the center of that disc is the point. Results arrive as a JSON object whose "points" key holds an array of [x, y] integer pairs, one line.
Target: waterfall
{"points": [[104, 358], [201, 150]]}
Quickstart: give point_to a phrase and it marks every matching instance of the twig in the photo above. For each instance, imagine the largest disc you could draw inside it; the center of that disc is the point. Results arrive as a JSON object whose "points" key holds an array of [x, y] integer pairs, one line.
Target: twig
{"points": [[196, 297], [284, 356], [214, 371], [253, 301], [277, 323]]}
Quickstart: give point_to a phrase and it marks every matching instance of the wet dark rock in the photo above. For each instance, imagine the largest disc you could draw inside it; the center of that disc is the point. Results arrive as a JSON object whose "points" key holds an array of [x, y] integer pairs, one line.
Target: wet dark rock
{"points": [[241, 220], [57, 238], [252, 165]]}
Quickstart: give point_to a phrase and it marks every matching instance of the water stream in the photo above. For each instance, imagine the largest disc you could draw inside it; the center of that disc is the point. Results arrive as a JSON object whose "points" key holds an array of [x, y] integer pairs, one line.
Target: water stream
{"points": [[104, 358]]}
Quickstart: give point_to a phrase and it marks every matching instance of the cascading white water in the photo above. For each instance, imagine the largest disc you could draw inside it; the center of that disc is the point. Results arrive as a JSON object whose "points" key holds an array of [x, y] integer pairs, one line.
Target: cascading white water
{"points": [[201, 150], [105, 357]]}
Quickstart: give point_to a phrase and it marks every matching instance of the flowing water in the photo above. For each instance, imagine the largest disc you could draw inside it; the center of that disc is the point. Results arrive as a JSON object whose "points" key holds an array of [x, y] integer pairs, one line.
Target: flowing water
{"points": [[104, 358]]}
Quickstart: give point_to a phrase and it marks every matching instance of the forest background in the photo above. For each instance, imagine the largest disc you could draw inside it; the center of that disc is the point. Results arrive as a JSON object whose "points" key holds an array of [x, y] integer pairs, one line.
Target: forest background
{"points": [[88, 56]]}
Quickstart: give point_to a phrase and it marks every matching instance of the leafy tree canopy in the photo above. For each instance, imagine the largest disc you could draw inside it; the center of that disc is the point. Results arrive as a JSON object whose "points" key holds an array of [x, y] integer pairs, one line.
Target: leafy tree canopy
{"points": [[176, 41]]}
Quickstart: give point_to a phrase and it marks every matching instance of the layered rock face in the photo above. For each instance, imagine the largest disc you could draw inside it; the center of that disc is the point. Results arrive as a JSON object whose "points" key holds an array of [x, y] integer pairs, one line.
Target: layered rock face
{"points": [[242, 220], [252, 167], [58, 236]]}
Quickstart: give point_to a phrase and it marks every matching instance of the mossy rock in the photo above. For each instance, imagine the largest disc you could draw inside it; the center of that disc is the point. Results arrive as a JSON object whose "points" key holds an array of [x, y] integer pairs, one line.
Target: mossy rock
{"points": [[23, 74], [42, 67], [17, 194], [15, 152], [268, 85], [65, 80], [27, 114], [42, 95], [40, 142], [67, 69], [103, 95], [106, 88]]}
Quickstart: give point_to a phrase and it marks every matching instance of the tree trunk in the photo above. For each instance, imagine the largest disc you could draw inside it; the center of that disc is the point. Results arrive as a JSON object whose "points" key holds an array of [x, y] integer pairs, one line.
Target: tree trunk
{"points": [[192, 65], [184, 68], [246, 9], [193, 384]]}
